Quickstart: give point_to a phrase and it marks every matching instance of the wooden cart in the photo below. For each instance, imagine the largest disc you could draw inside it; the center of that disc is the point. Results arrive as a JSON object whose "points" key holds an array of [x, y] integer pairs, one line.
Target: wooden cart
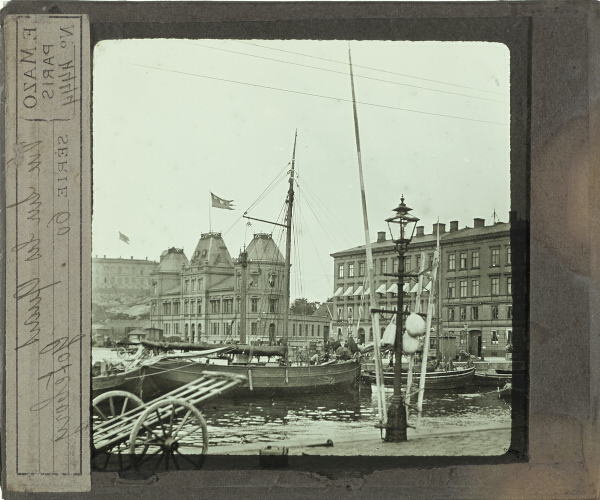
{"points": [[170, 428]]}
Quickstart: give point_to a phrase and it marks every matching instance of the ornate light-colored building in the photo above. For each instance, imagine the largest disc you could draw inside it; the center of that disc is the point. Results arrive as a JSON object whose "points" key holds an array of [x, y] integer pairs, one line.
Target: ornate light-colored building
{"points": [[200, 299], [476, 286], [123, 276]]}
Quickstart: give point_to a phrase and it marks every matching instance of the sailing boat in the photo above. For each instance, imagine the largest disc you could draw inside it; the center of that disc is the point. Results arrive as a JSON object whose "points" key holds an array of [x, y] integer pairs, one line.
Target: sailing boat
{"points": [[269, 380], [436, 380]]}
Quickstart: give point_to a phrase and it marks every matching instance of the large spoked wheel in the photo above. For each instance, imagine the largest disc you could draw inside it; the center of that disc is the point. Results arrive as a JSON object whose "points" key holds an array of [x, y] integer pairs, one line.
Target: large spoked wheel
{"points": [[171, 432], [105, 407]]}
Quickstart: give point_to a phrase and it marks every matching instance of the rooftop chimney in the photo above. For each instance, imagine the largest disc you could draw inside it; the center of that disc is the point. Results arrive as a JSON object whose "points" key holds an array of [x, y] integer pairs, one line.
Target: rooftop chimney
{"points": [[478, 222], [442, 228], [132, 257], [453, 225], [420, 230], [105, 256], [380, 236]]}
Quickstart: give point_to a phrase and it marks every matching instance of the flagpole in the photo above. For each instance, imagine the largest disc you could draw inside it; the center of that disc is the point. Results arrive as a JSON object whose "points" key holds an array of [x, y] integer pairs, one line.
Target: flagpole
{"points": [[209, 211]]}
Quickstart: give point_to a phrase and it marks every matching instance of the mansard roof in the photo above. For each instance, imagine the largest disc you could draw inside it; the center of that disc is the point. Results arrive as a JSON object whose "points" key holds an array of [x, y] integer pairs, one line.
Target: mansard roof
{"points": [[172, 260], [211, 251], [262, 248]]}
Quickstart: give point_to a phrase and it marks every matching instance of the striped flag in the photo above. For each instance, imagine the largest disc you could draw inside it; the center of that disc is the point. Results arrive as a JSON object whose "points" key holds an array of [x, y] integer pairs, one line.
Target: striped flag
{"points": [[124, 238], [221, 203]]}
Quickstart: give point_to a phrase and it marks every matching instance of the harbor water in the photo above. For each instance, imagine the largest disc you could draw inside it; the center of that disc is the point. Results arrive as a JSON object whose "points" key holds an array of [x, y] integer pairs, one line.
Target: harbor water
{"points": [[310, 418], [253, 421]]}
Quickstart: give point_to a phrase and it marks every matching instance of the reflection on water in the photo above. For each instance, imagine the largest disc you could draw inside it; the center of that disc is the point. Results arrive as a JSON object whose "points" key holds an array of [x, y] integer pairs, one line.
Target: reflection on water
{"points": [[315, 418], [248, 420]]}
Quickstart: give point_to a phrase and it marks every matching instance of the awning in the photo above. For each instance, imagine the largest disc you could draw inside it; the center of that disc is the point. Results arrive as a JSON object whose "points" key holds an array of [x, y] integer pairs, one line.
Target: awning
{"points": [[406, 287], [348, 292], [338, 292], [381, 288], [368, 292], [426, 288], [359, 291], [393, 288]]}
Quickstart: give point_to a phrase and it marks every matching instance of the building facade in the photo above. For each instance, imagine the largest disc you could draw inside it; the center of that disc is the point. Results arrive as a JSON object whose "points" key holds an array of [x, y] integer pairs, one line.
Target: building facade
{"points": [[200, 299], [123, 276], [475, 283]]}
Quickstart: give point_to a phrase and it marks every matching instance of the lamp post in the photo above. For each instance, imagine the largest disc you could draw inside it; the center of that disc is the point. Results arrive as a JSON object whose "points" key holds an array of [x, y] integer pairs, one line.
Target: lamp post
{"points": [[401, 226]]}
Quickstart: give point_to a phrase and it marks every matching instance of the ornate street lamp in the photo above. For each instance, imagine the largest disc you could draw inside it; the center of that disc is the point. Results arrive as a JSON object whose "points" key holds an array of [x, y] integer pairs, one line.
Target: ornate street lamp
{"points": [[402, 227]]}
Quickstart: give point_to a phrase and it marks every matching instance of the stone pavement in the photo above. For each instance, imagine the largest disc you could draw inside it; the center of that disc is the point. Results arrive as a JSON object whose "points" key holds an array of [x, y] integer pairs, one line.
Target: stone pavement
{"points": [[485, 440]]}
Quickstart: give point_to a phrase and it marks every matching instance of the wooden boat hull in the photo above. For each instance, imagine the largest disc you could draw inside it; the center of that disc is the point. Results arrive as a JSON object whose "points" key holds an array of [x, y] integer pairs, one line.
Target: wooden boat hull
{"points": [[129, 381], [492, 379], [433, 380], [262, 380]]}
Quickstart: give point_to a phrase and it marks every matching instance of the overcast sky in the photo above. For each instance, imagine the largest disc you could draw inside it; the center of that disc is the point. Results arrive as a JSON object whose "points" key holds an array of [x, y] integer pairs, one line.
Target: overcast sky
{"points": [[175, 119]]}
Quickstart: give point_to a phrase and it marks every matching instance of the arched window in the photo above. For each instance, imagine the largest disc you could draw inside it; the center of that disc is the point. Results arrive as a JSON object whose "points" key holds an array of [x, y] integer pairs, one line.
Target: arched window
{"points": [[185, 331], [193, 333]]}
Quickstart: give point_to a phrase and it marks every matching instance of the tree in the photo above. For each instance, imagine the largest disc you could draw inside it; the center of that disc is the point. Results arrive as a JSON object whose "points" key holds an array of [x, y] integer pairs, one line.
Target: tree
{"points": [[303, 307]]}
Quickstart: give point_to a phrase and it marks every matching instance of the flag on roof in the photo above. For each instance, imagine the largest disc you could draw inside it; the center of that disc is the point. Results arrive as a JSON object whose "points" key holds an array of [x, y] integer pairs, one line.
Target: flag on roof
{"points": [[124, 238], [221, 203]]}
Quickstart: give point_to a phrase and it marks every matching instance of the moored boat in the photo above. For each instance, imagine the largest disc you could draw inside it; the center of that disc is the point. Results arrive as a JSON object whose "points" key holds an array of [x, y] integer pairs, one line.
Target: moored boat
{"points": [[124, 380], [280, 378], [491, 377], [109, 374], [263, 380], [452, 379]]}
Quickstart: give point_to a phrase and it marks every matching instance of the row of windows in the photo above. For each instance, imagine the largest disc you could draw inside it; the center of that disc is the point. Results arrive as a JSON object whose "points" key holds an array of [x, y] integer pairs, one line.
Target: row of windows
{"points": [[308, 329], [463, 260], [474, 292], [125, 280], [382, 269], [188, 330], [217, 306], [100, 269], [193, 285], [254, 281], [189, 307], [473, 313], [494, 339]]}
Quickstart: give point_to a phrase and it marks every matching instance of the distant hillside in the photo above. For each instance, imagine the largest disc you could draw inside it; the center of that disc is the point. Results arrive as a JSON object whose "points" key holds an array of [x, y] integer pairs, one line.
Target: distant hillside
{"points": [[111, 306]]}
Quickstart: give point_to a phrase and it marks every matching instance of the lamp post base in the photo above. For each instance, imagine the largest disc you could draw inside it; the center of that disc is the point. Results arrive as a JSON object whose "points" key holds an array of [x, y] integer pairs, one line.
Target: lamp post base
{"points": [[395, 431]]}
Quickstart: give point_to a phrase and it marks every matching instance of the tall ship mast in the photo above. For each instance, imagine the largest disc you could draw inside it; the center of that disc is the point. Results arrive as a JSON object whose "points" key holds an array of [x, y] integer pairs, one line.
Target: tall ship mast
{"points": [[288, 247], [266, 377]]}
